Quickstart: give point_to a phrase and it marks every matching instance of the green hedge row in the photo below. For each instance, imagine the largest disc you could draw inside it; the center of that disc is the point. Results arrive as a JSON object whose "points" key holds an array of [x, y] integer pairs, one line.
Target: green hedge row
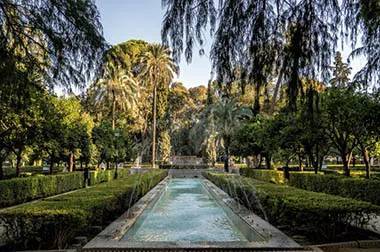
{"points": [[97, 177], [52, 223], [355, 188], [317, 214], [19, 190], [272, 176]]}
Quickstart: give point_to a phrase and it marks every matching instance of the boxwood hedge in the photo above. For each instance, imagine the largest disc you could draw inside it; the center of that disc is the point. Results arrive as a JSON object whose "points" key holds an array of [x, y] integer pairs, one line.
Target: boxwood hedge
{"points": [[19, 190], [52, 223], [356, 188], [317, 214], [353, 187], [272, 176]]}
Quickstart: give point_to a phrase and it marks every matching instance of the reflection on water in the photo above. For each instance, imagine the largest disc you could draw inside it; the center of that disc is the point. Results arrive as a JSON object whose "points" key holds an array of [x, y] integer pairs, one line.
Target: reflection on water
{"points": [[185, 212]]}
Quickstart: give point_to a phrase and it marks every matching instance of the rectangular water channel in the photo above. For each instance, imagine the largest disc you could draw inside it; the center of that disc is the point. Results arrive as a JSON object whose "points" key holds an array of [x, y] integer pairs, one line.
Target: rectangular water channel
{"points": [[189, 213], [186, 211]]}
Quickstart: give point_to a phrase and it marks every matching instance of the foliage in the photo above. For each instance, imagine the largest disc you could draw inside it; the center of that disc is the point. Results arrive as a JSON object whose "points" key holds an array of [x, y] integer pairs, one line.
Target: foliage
{"points": [[319, 215], [52, 223], [157, 71], [59, 40], [271, 176], [165, 146], [355, 188], [263, 39], [20, 190]]}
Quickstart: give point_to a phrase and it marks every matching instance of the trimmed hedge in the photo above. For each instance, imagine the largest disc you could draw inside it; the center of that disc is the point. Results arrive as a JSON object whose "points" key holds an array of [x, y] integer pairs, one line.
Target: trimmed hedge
{"points": [[97, 177], [53, 223], [317, 214], [272, 176], [355, 188], [19, 190]]}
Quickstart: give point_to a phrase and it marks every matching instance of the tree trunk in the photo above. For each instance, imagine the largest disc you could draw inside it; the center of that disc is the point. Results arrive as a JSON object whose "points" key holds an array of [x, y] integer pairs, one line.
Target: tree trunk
{"points": [[345, 162], [113, 109], [268, 161], [300, 162], [260, 161], [366, 162], [51, 165], [154, 126], [275, 93], [116, 174], [70, 163], [226, 158], [18, 162]]}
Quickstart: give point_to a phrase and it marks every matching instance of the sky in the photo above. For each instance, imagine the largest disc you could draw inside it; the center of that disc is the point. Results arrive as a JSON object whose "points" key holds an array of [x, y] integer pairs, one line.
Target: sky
{"points": [[142, 19]]}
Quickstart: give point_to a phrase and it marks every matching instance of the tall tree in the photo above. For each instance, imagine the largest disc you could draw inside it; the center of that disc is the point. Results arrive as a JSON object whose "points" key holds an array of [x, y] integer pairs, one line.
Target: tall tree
{"points": [[118, 90], [158, 69], [227, 116], [341, 72]]}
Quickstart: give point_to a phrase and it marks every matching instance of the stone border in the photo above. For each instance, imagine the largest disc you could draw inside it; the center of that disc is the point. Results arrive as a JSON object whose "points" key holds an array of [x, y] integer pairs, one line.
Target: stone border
{"points": [[109, 238]]}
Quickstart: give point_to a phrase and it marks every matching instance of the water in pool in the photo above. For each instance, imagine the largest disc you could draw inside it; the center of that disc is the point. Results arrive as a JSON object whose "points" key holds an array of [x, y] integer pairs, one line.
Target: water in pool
{"points": [[185, 212]]}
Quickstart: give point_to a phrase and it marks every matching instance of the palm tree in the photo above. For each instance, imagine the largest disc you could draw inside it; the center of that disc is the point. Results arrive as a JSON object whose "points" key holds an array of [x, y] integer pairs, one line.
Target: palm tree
{"points": [[158, 68], [227, 117], [119, 88]]}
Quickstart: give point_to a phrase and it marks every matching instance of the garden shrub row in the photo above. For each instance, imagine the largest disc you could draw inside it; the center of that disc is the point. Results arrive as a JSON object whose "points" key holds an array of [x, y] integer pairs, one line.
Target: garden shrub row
{"points": [[272, 176], [97, 177], [355, 188], [53, 223], [19, 190], [316, 214]]}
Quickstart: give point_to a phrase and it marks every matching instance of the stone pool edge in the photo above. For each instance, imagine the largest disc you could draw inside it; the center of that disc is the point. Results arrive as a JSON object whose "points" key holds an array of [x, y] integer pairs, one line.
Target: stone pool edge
{"points": [[110, 237]]}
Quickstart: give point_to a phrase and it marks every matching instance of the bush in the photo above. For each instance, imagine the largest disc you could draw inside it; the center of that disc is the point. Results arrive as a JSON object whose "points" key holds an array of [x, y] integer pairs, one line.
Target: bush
{"points": [[19, 190], [271, 176], [356, 188], [52, 223], [317, 214], [97, 177]]}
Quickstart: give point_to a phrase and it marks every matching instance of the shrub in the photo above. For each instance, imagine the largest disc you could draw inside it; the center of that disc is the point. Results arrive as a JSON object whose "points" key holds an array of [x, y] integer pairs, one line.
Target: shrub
{"points": [[317, 214], [97, 177], [19, 190], [52, 223], [272, 176], [356, 188]]}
